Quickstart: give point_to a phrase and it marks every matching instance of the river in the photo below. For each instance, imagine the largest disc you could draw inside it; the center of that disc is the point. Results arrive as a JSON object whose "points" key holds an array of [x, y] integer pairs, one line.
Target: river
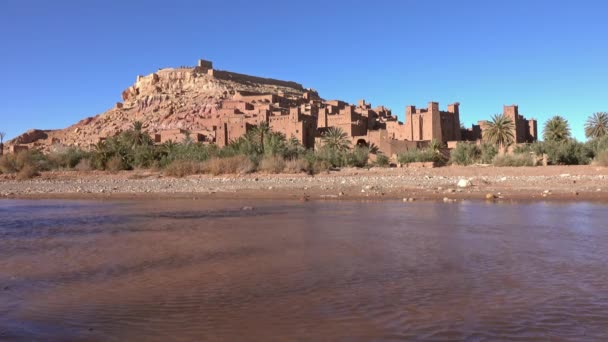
{"points": [[160, 270]]}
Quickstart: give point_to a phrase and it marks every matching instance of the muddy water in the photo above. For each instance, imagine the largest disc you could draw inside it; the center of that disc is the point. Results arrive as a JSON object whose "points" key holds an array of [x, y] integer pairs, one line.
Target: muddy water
{"points": [[198, 270]]}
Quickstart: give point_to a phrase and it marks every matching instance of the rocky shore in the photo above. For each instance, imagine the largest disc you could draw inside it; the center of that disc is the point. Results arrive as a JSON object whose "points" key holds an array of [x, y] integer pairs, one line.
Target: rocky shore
{"points": [[448, 184]]}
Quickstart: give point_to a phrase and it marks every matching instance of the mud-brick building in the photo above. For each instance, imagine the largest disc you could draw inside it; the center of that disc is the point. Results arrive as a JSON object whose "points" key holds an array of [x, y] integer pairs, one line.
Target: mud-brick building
{"points": [[524, 130], [425, 124]]}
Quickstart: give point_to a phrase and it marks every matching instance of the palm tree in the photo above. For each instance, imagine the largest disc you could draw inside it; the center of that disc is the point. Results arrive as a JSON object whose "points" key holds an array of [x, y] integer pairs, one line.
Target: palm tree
{"points": [[168, 147], [435, 146], [136, 136], [335, 138], [258, 132], [499, 131], [596, 125], [556, 129], [2, 135], [373, 148], [187, 138]]}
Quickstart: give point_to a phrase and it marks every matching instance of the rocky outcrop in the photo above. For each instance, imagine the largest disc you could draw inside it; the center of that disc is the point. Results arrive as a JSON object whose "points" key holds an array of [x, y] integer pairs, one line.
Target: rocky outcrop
{"points": [[29, 137]]}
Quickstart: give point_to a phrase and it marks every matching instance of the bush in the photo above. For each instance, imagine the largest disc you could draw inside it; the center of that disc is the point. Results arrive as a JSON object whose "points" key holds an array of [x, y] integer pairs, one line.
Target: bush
{"points": [[382, 160], [67, 158], [487, 153], [182, 168], [296, 165], [419, 156], [514, 160], [143, 156], [318, 166], [115, 164], [231, 165], [34, 158], [568, 152], [83, 165], [331, 156], [357, 157], [169, 152], [602, 158], [28, 171], [31, 162], [272, 164], [465, 154], [598, 145], [8, 163]]}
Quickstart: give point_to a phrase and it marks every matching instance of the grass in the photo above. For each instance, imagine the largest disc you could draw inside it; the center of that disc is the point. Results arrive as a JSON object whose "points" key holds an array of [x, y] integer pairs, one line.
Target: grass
{"points": [[514, 160], [183, 168], [296, 166], [270, 164], [238, 164]]}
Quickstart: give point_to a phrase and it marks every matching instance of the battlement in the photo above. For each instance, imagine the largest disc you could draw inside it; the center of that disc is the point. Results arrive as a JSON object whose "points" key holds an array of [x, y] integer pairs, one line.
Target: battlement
{"points": [[204, 64]]}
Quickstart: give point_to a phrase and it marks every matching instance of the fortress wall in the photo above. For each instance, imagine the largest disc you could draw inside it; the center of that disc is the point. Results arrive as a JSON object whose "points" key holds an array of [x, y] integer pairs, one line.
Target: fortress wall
{"points": [[236, 77]]}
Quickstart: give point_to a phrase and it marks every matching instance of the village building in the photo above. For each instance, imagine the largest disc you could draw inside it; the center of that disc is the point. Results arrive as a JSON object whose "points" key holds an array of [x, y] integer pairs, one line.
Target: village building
{"points": [[524, 130]]}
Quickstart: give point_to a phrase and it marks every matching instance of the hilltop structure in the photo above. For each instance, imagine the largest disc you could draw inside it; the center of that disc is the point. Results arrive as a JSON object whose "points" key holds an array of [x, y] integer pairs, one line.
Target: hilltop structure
{"points": [[216, 106]]}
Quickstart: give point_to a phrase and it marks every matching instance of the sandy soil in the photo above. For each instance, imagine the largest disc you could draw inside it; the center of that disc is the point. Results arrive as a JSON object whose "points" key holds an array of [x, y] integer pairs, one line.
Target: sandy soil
{"points": [[589, 183]]}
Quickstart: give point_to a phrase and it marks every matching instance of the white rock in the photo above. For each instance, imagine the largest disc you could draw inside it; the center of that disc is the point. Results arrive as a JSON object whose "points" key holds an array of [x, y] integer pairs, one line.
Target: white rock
{"points": [[464, 183]]}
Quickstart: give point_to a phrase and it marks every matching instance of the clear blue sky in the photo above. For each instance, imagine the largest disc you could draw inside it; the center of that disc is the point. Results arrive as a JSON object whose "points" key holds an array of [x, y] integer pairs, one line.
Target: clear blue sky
{"points": [[66, 60]]}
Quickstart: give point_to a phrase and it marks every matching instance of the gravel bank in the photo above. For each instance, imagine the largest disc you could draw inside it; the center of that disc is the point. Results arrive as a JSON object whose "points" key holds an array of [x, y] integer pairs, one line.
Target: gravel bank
{"points": [[554, 182]]}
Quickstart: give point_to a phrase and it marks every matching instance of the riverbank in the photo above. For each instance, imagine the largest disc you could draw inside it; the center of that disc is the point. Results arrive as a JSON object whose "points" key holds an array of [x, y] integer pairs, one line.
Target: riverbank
{"points": [[589, 183]]}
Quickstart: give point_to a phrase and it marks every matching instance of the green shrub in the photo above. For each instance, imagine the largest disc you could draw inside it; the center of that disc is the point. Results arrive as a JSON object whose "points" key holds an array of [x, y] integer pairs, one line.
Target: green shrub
{"points": [[331, 156], [8, 164], [602, 158], [66, 158], [487, 153], [598, 145], [569, 152], [419, 156], [514, 160], [34, 158], [466, 154], [382, 160], [143, 156], [357, 157]]}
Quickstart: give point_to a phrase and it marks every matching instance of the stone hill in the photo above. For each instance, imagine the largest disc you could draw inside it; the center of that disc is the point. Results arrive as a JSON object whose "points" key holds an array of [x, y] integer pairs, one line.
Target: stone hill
{"points": [[169, 99]]}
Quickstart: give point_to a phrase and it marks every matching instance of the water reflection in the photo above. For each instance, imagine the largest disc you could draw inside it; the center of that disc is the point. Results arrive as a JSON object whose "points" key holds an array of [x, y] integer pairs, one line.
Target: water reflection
{"points": [[192, 270]]}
